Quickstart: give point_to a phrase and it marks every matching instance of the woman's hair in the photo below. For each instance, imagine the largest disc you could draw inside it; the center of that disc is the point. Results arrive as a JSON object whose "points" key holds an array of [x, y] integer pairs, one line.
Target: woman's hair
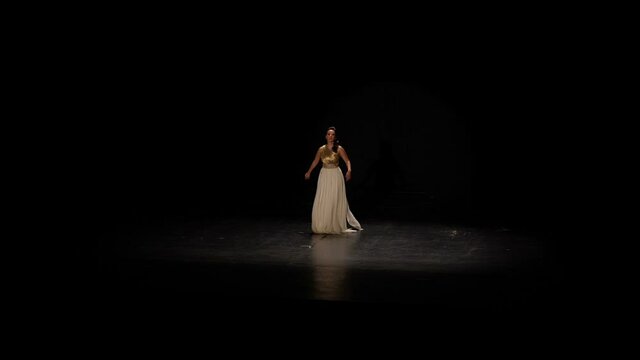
{"points": [[336, 142]]}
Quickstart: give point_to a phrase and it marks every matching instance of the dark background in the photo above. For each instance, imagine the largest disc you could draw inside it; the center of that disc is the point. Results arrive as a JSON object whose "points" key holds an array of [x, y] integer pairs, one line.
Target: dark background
{"points": [[173, 124], [450, 145], [160, 126]]}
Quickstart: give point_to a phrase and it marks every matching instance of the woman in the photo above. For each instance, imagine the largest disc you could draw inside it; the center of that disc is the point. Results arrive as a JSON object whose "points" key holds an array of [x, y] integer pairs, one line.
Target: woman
{"points": [[331, 214]]}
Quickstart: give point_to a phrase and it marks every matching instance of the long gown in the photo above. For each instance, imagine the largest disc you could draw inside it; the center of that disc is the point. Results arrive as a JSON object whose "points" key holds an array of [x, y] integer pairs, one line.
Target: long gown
{"points": [[331, 212]]}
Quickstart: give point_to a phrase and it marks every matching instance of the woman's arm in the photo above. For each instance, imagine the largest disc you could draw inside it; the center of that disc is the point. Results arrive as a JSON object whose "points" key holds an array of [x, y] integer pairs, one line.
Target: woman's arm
{"points": [[345, 158], [315, 162]]}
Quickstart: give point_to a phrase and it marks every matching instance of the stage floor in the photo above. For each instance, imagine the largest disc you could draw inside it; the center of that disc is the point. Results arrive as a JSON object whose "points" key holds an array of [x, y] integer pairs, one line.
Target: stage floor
{"points": [[278, 260]]}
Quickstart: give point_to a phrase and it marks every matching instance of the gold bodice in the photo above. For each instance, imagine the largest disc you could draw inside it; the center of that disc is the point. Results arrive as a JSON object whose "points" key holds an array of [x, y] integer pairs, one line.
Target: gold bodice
{"points": [[328, 157]]}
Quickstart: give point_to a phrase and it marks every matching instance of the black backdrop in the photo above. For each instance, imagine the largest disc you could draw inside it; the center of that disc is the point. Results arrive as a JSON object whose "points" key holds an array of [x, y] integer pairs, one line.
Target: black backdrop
{"points": [[173, 129], [478, 148]]}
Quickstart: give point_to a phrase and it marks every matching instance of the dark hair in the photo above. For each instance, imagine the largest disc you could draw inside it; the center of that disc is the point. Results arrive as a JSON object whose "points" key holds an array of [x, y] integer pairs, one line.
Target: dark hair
{"points": [[336, 142]]}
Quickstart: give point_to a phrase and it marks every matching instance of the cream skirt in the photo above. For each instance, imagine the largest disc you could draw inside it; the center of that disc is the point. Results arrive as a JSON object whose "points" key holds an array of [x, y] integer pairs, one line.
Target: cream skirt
{"points": [[331, 212]]}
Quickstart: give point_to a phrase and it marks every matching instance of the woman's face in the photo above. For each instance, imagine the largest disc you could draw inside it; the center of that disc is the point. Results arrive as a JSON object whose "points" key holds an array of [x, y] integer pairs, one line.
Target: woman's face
{"points": [[331, 135]]}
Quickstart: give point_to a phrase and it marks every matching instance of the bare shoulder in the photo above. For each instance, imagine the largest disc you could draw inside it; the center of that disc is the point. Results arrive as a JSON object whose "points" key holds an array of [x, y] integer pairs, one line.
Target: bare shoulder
{"points": [[341, 149]]}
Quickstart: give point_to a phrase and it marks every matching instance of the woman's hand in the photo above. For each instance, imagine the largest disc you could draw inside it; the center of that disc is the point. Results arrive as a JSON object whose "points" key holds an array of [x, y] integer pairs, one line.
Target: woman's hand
{"points": [[307, 176], [348, 176]]}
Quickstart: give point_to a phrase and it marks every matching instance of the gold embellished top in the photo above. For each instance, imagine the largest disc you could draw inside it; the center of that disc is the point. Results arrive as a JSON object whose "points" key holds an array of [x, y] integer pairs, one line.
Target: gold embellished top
{"points": [[329, 158]]}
